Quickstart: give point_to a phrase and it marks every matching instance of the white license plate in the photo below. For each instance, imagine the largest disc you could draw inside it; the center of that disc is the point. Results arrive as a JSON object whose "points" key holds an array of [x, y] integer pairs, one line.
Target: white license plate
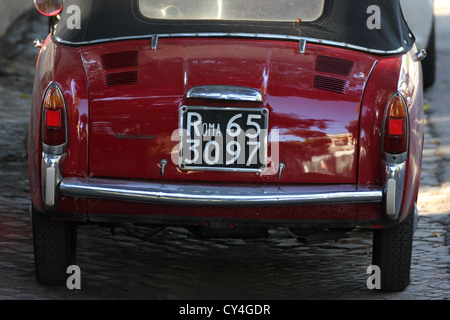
{"points": [[223, 139]]}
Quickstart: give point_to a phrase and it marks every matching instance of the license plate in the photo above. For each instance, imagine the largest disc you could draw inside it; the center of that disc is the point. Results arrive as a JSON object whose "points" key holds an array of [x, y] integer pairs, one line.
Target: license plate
{"points": [[223, 139]]}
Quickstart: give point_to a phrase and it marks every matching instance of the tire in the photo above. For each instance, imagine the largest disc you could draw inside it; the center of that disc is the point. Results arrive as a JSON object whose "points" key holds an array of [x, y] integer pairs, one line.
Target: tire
{"points": [[54, 244], [429, 63], [392, 251]]}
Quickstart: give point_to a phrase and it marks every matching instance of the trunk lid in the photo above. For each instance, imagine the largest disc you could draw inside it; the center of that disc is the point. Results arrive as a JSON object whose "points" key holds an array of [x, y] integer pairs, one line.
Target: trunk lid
{"points": [[313, 103]]}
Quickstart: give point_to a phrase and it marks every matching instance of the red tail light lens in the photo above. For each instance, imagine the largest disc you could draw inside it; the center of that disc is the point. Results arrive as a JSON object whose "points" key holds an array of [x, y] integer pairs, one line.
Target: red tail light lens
{"points": [[395, 131], [54, 117], [395, 127]]}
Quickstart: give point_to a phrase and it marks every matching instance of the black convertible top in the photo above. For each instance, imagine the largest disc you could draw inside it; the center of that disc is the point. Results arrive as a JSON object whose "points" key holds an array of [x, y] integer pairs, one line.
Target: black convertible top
{"points": [[349, 23]]}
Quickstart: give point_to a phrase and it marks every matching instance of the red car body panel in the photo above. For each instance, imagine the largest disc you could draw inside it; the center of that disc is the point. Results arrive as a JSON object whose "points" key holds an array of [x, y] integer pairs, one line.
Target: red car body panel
{"points": [[64, 66], [331, 216], [318, 129], [377, 95], [325, 137]]}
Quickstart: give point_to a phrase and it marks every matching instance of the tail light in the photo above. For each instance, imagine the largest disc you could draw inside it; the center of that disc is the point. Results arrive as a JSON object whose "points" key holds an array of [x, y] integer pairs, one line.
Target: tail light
{"points": [[396, 126], [54, 118]]}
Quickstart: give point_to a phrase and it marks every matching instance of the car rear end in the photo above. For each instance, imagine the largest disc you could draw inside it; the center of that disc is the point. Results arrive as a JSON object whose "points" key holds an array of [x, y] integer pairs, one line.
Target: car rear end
{"points": [[225, 130]]}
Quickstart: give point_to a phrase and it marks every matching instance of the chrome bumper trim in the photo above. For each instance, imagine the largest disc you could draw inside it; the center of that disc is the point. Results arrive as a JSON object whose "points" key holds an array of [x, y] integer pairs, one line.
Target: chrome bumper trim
{"points": [[393, 187], [217, 195], [50, 178]]}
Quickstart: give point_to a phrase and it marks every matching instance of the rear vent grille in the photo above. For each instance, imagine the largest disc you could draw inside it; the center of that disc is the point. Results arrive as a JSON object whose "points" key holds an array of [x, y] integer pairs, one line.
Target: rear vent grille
{"points": [[121, 78], [330, 84], [119, 60], [334, 65]]}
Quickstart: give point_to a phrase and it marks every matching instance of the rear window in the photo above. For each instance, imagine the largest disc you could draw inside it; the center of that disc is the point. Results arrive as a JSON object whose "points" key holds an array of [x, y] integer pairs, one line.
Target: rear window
{"points": [[257, 10]]}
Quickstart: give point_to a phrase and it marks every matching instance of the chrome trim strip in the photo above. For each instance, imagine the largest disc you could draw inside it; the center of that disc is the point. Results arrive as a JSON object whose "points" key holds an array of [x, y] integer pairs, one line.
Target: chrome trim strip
{"points": [[224, 92], [217, 195], [238, 35]]}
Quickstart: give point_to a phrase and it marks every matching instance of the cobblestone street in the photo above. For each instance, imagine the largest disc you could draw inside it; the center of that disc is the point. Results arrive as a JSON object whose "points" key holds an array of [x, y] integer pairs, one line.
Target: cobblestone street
{"points": [[174, 264]]}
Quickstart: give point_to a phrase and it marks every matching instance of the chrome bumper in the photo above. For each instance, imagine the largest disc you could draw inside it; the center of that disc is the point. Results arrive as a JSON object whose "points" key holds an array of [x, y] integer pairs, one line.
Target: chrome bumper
{"points": [[217, 195]]}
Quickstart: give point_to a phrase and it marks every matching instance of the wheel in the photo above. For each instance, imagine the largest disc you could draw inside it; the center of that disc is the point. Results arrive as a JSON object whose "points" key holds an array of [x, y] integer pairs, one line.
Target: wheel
{"points": [[392, 250], [54, 244], [429, 63]]}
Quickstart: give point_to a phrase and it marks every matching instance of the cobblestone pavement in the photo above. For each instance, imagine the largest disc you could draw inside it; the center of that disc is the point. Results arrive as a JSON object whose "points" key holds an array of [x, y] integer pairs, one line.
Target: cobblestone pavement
{"points": [[174, 264]]}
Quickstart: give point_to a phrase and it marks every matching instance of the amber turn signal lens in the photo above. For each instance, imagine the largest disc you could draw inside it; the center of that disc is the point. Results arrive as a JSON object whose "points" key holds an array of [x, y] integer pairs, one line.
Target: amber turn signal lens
{"points": [[54, 99], [396, 107]]}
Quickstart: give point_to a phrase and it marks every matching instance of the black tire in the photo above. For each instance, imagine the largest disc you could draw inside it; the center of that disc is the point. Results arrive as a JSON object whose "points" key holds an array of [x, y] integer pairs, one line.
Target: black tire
{"points": [[54, 245], [392, 250], [429, 63]]}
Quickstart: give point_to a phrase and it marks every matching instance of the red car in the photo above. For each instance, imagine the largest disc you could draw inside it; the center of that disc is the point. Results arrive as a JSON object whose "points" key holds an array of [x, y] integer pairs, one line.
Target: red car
{"points": [[300, 114]]}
